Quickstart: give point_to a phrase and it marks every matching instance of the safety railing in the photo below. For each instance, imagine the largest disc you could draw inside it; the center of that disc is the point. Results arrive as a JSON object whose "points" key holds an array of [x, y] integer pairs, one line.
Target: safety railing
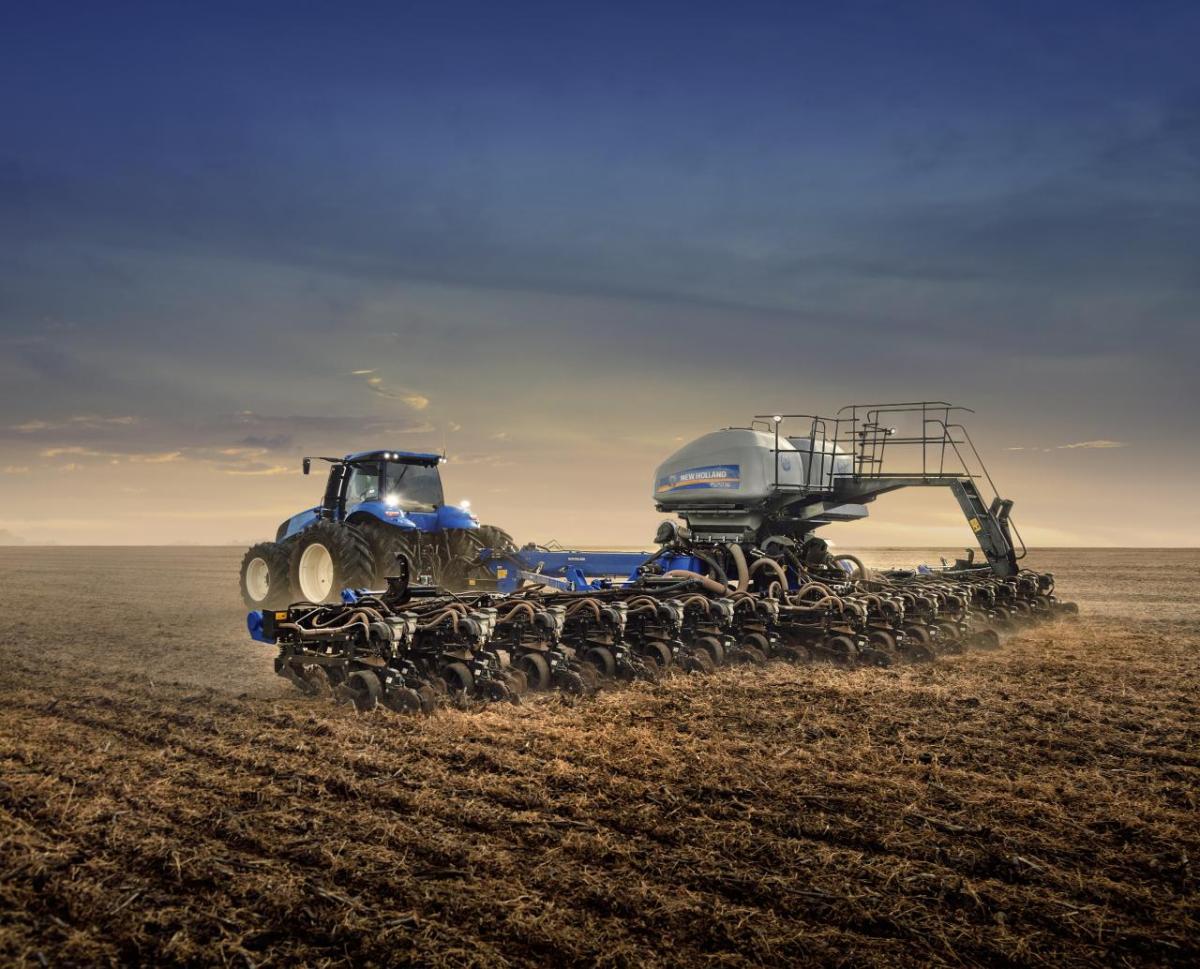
{"points": [[915, 440]]}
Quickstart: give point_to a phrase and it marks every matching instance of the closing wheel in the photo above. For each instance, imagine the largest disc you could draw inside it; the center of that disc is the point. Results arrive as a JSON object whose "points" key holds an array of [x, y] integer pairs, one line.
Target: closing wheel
{"points": [[602, 658], [429, 698], [459, 678], [570, 682], [646, 668], [362, 688], [796, 654], [712, 646], [659, 652], [402, 699], [986, 639], [699, 662], [840, 650], [949, 638], [882, 640], [497, 691], [918, 646], [518, 682], [318, 679], [264, 576], [536, 670], [759, 642], [752, 654]]}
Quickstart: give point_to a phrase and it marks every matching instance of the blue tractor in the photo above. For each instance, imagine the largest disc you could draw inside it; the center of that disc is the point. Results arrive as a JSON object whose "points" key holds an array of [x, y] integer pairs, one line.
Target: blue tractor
{"points": [[379, 506]]}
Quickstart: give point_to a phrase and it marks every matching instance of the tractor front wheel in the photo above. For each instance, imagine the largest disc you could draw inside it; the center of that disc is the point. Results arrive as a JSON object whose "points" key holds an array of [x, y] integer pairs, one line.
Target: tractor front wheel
{"points": [[264, 577]]}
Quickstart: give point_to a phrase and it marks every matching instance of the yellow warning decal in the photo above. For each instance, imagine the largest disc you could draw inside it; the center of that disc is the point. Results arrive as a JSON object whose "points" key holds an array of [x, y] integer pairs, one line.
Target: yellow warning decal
{"points": [[281, 615], [975, 526], [501, 573]]}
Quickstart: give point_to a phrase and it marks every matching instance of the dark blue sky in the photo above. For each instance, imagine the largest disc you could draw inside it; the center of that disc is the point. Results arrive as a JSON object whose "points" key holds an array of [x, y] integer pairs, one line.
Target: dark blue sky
{"points": [[544, 226]]}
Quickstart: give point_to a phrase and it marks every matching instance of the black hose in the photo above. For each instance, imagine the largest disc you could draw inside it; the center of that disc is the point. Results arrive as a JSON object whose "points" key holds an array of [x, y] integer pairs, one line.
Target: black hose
{"points": [[712, 563]]}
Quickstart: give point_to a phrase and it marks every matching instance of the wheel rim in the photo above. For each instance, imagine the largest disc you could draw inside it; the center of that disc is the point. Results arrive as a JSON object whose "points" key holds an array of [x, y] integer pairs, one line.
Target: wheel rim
{"points": [[258, 579], [316, 572]]}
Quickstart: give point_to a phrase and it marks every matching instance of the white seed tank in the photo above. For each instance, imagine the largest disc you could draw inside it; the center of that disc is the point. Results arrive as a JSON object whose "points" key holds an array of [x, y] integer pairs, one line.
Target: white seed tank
{"points": [[740, 466]]}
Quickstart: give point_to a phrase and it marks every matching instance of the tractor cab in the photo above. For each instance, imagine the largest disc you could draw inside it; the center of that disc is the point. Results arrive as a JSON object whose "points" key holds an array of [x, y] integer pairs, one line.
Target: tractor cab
{"points": [[397, 481]]}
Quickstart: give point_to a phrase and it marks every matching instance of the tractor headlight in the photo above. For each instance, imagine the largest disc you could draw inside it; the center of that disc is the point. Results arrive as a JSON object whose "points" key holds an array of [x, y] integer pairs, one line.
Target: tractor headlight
{"points": [[464, 505], [392, 501]]}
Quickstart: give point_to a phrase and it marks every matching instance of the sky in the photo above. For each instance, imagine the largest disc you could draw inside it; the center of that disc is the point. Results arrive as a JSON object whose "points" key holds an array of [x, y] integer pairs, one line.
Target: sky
{"points": [[559, 240]]}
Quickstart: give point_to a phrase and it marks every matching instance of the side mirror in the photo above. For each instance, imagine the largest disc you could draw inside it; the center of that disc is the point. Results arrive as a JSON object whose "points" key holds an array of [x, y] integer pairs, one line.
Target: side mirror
{"points": [[307, 465]]}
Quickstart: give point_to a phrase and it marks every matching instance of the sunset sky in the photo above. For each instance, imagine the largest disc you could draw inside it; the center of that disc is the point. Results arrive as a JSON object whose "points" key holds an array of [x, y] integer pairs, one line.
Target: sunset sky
{"points": [[558, 240]]}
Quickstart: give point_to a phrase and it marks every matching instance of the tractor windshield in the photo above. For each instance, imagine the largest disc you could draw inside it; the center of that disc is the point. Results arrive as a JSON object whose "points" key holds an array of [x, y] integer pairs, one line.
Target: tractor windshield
{"points": [[413, 487]]}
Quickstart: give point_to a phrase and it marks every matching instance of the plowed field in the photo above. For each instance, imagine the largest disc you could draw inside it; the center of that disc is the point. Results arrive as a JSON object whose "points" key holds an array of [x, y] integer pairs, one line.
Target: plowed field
{"points": [[165, 799]]}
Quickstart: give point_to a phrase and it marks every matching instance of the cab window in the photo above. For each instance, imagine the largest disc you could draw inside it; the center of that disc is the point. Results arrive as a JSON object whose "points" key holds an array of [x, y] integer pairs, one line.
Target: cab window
{"points": [[363, 485]]}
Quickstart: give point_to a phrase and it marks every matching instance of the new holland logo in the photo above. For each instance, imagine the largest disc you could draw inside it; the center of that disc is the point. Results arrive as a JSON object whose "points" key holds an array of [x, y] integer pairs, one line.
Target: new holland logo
{"points": [[722, 476]]}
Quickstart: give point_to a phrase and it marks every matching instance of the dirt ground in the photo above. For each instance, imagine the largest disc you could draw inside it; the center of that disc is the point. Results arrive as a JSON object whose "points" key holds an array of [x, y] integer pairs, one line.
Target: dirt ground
{"points": [[165, 799]]}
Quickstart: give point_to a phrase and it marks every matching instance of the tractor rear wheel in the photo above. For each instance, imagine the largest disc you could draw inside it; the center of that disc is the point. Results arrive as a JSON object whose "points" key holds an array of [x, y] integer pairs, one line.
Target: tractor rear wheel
{"points": [[264, 577], [489, 536], [329, 557], [388, 543]]}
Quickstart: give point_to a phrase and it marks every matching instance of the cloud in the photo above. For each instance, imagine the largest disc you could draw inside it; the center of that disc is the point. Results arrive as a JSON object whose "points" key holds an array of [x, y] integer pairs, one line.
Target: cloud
{"points": [[16, 469], [1093, 444], [376, 385], [259, 470], [490, 460], [152, 457], [81, 422]]}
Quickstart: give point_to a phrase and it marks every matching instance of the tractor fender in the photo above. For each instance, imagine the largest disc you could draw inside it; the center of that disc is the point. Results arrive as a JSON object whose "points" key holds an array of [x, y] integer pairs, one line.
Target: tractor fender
{"points": [[297, 523], [455, 516]]}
